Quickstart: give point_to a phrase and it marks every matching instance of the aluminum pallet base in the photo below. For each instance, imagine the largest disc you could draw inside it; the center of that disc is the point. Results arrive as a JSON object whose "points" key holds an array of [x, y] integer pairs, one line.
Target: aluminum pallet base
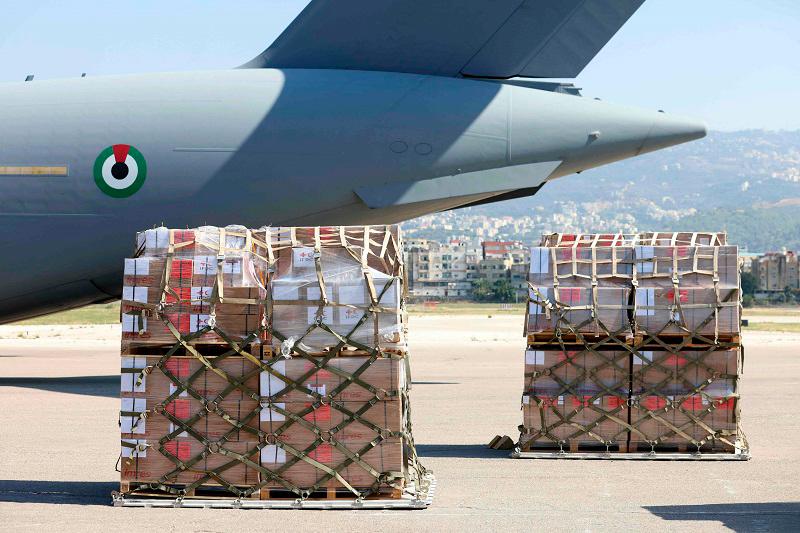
{"points": [[408, 501], [740, 455]]}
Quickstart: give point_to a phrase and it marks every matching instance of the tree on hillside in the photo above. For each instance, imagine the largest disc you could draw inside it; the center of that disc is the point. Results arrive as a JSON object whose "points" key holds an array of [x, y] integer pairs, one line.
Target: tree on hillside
{"points": [[482, 290], [503, 291], [749, 283]]}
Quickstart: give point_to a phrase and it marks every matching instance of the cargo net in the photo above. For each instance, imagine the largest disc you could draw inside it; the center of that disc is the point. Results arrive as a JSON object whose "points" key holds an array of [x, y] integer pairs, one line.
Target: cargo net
{"points": [[622, 398], [625, 334], [648, 292], [303, 421], [648, 238]]}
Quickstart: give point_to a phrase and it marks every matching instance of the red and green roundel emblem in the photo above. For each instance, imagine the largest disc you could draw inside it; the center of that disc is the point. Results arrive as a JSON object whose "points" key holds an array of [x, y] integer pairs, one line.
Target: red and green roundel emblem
{"points": [[120, 170]]}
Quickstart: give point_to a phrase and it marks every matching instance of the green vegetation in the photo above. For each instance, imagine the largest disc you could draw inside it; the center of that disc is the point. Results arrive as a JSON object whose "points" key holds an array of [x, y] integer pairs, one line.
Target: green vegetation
{"points": [[756, 229], [773, 311], [500, 291], [90, 314], [791, 327], [458, 308]]}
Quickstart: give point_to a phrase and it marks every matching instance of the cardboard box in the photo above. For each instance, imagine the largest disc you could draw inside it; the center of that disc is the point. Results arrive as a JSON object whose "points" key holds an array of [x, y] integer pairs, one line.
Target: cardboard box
{"points": [[662, 310], [685, 396], [385, 456], [611, 311], [576, 267], [694, 266], [156, 461]]}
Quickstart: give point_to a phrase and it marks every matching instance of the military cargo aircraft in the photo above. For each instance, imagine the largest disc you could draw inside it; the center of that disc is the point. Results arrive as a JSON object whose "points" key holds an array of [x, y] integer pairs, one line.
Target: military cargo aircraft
{"points": [[361, 112]]}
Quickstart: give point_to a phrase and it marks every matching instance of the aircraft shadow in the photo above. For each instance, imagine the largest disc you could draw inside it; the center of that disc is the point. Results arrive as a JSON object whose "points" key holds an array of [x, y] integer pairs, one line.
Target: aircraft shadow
{"points": [[771, 516], [464, 451], [107, 386], [57, 492]]}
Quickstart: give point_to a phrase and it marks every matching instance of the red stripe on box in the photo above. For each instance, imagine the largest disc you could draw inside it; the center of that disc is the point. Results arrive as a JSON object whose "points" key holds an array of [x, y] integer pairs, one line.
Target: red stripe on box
{"points": [[616, 401], [178, 409], [181, 450], [695, 403], [322, 453], [723, 403], [183, 235], [566, 356], [180, 321], [178, 367], [674, 360], [581, 401], [547, 401], [181, 269], [683, 294], [570, 296], [680, 251], [654, 402], [184, 294]]}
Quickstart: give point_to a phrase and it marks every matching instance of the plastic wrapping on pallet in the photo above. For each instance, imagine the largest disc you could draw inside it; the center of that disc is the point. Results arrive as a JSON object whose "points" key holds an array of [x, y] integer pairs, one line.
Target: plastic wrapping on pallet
{"points": [[347, 311], [690, 310], [336, 286], [579, 310]]}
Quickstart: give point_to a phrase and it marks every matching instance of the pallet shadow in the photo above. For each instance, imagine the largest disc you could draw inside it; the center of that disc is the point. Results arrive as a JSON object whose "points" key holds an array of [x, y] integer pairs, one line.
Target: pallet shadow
{"points": [[107, 386], [770, 516], [464, 451], [57, 492]]}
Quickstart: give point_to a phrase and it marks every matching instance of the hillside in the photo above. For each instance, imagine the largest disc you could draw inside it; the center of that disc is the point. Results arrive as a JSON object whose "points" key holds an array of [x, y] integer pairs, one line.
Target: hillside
{"points": [[747, 182]]}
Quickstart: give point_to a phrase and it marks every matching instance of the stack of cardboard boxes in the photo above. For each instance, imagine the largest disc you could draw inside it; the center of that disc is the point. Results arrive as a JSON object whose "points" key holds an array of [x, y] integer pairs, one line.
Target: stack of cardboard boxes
{"points": [[266, 363], [633, 344]]}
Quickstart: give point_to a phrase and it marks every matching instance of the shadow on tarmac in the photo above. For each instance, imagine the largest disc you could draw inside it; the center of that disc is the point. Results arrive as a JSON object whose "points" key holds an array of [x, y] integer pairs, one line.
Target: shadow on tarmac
{"points": [[771, 516], [57, 492], [107, 386], [467, 451]]}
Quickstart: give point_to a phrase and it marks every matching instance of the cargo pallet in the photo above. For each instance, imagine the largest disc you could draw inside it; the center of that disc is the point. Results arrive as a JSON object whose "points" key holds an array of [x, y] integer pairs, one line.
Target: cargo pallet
{"points": [[410, 498], [741, 454]]}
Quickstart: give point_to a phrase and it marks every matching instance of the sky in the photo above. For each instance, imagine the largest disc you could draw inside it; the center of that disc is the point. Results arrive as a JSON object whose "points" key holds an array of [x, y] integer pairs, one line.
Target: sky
{"points": [[733, 63]]}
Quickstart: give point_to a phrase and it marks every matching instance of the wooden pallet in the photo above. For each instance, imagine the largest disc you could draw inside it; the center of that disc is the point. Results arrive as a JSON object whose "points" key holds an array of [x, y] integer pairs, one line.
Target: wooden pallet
{"points": [[580, 450], [639, 340], [550, 338], [137, 348], [206, 491], [413, 497], [210, 491], [330, 493], [643, 340], [352, 351]]}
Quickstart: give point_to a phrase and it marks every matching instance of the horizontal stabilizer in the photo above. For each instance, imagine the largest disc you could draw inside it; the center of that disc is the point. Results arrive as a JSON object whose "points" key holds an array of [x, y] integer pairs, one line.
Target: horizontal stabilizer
{"points": [[498, 39], [488, 182]]}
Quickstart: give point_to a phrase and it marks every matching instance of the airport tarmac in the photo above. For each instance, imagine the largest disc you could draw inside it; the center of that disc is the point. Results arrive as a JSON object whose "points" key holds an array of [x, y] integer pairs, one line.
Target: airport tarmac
{"points": [[59, 444]]}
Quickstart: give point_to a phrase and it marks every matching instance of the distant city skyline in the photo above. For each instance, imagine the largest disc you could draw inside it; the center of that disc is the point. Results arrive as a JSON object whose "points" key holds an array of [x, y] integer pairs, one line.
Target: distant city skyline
{"points": [[732, 63]]}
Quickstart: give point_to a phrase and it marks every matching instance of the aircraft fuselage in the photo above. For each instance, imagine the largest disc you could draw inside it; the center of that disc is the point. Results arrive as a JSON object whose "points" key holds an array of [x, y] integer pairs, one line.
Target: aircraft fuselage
{"points": [[262, 146]]}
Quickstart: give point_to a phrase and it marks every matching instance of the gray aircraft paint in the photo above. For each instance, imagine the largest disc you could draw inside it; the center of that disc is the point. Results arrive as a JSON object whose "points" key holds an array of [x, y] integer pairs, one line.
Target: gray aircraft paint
{"points": [[306, 145]]}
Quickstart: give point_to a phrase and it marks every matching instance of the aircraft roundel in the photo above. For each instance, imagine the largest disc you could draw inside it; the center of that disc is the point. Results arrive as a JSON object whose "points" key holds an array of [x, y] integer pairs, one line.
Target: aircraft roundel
{"points": [[120, 170]]}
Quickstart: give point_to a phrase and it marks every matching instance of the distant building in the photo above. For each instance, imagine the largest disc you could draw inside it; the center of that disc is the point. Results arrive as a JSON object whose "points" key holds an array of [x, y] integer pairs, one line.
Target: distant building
{"points": [[775, 271], [447, 271], [499, 248], [440, 271]]}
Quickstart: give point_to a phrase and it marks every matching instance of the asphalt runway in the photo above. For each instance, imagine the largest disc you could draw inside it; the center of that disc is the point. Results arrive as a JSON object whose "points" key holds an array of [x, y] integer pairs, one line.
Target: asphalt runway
{"points": [[59, 445]]}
